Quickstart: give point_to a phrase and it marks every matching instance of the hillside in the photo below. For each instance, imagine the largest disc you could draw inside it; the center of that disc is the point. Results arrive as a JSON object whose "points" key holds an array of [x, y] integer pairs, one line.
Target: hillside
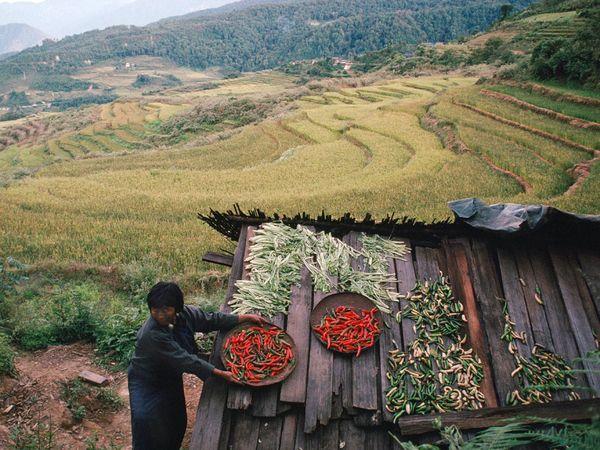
{"points": [[15, 37], [100, 201], [265, 36], [60, 18]]}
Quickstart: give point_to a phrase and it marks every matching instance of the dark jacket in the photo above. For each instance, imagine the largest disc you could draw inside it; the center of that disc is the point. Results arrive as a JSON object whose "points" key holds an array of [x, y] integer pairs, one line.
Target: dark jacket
{"points": [[162, 353]]}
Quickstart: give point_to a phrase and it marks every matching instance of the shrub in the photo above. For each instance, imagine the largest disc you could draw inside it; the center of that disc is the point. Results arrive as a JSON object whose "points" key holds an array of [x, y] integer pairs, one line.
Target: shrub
{"points": [[138, 278], [41, 438], [494, 50], [81, 399], [575, 59], [7, 357], [116, 334], [65, 316]]}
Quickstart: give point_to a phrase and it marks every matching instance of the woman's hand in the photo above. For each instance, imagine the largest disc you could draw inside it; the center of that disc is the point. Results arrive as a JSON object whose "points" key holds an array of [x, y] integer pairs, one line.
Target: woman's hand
{"points": [[254, 318], [226, 375]]}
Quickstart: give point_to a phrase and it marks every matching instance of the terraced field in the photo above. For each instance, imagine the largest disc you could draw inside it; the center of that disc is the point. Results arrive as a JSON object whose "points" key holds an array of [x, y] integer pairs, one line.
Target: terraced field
{"points": [[120, 127], [406, 146]]}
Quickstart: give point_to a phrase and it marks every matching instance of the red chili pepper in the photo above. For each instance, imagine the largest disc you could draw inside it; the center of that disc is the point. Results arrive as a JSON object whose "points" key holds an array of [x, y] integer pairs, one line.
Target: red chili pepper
{"points": [[347, 330], [256, 353]]}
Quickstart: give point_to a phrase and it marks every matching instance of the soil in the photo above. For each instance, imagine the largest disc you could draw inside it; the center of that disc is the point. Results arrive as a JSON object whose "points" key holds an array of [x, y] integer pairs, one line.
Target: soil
{"points": [[31, 401]]}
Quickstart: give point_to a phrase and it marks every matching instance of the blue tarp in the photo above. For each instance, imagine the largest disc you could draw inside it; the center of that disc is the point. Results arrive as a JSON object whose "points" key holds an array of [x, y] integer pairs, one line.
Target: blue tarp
{"points": [[511, 218]]}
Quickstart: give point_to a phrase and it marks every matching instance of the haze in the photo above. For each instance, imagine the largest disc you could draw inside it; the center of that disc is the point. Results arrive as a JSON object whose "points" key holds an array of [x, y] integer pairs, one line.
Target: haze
{"points": [[59, 18]]}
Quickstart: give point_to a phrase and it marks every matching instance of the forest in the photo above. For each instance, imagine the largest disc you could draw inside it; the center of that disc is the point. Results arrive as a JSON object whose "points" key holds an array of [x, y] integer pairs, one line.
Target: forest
{"points": [[265, 36]]}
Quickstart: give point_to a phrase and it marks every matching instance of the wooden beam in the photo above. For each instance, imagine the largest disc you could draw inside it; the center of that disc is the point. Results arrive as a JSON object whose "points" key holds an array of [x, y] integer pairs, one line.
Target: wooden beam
{"points": [[460, 278], [365, 367], [218, 258], [489, 417], [390, 333], [488, 291], [293, 389], [240, 397], [211, 409], [320, 379], [581, 323]]}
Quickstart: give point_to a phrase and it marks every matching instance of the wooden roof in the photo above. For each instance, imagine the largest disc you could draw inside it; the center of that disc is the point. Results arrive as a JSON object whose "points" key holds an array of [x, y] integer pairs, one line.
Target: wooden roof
{"points": [[330, 399]]}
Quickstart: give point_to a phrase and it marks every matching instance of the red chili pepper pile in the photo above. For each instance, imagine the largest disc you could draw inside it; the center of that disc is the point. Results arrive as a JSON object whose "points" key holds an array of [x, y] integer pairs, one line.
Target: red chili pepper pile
{"points": [[349, 331], [256, 353]]}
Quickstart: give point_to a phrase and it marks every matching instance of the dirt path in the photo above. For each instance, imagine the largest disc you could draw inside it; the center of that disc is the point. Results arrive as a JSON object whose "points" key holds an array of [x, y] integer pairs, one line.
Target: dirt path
{"points": [[32, 400]]}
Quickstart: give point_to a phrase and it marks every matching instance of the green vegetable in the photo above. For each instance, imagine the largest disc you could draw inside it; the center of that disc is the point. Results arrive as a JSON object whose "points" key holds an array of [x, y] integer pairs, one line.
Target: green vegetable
{"points": [[437, 373], [278, 253], [540, 375]]}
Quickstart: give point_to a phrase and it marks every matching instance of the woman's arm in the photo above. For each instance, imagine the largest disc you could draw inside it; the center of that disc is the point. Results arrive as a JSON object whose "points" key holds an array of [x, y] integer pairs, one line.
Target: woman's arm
{"points": [[204, 321]]}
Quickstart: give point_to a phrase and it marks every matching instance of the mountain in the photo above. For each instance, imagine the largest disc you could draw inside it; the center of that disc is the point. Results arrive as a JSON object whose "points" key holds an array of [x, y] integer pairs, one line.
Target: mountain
{"points": [[15, 37], [64, 17], [253, 37]]}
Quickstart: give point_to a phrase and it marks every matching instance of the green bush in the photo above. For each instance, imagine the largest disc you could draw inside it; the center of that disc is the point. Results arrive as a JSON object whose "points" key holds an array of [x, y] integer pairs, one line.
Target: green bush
{"points": [[115, 335], [66, 315], [7, 357], [60, 83], [495, 50], [574, 59]]}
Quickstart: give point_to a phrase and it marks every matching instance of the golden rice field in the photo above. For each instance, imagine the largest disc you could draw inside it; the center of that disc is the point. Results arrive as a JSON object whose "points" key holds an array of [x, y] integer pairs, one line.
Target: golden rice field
{"points": [[354, 150]]}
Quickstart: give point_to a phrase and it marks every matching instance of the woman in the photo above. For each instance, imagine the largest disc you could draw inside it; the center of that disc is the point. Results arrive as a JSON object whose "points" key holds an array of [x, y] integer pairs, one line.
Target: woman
{"points": [[165, 349]]}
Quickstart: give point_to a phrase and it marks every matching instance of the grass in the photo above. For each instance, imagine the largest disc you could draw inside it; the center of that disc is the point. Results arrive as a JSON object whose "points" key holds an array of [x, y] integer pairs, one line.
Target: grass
{"points": [[550, 17], [509, 111], [571, 88], [367, 156], [84, 400], [586, 112]]}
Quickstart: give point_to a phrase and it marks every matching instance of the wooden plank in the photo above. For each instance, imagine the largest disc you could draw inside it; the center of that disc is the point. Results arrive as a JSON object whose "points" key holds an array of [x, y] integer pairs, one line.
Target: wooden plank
{"points": [[590, 269], [406, 276], [269, 434], [288, 431], [324, 438], [300, 435], [264, 400], [489, 417], [342, 373], [351, 436], [365, 368], [458, 270], [209, 417], [377, 439], [427, 263], [537, 315], [390, 333], [584, 293], [560, 329], [320, 380], [488, 291], [293, 389], [226, 429], [244, 433], [513, 293], [240, 397], [576, 313], [218, 258]]}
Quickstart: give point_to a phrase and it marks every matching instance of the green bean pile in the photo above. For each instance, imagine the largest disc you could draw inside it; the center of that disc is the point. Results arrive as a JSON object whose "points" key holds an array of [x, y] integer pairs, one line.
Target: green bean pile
{"points": [[278, 253], [437, 373], [540, 375]]}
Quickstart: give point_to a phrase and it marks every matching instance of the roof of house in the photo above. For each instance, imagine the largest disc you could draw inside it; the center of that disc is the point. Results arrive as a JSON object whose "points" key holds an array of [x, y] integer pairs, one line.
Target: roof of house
{"points": [[332, 401]]}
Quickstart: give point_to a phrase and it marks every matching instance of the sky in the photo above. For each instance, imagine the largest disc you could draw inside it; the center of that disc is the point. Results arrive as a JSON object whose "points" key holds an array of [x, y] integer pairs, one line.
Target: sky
{"points": [[27, 1]]}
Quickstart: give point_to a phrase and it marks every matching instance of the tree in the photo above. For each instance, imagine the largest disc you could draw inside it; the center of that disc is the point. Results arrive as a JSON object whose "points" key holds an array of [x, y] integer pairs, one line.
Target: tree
{"points": [[506, 10]]}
